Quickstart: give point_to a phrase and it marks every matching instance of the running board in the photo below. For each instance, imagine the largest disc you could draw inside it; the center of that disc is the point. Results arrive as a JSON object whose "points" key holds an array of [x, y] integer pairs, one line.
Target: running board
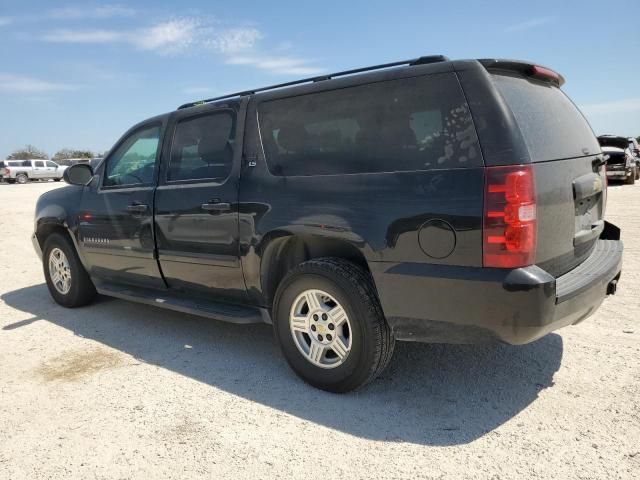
{"points": [[204, 308]]}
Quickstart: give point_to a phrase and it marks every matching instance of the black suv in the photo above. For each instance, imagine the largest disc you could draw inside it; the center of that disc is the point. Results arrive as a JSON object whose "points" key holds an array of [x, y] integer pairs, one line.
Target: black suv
{"points": [[429, 200]]}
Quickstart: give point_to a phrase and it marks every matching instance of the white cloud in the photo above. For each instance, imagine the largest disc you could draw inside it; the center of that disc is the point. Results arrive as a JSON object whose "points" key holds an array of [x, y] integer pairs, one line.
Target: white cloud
{"points": [[83, 36], [236, 39], [528, 25], [238, 46], [283, 65], [168, 37], [99, 12], [19, 84], [5, 21]]}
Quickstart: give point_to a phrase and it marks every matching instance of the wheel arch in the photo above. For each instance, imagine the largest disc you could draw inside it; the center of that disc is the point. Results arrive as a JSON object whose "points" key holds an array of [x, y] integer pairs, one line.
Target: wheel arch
{"points": [[283, 252]]}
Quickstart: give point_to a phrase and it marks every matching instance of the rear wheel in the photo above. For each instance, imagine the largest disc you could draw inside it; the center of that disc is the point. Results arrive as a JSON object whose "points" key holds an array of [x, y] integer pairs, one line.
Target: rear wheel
{"points": [[67, 280], [330, 325], [631, 179], [56, 179], [22, 178]]}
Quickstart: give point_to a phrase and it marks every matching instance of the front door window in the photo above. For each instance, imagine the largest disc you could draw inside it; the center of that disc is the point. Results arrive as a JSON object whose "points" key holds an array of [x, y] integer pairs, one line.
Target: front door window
{"points": [[133, 163]]}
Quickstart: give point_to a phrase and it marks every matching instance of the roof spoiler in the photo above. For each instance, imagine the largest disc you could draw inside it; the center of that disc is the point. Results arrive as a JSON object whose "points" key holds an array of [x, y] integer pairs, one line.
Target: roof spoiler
{"points": [[524, 68]]}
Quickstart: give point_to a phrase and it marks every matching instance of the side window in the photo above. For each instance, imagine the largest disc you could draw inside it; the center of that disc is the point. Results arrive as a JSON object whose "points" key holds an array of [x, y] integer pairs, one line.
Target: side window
{"points": [[38, 163], [203, 148], [407, 124], [133, 163], [51, 164]]}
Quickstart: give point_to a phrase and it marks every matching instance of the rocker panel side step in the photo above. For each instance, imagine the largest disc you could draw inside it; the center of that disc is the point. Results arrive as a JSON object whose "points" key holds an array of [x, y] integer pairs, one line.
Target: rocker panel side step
{"points": [[216, 310]]}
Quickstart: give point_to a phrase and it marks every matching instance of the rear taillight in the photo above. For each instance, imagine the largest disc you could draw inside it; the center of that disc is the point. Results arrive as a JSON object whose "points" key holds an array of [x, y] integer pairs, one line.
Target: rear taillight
{"points": [[509, 228]]}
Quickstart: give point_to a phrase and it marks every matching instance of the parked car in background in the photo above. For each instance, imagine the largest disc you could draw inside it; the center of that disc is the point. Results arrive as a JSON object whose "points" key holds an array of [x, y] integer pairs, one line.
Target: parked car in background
{"points": [[634, 146], [23, 171], [350, 211], [621, 164]]}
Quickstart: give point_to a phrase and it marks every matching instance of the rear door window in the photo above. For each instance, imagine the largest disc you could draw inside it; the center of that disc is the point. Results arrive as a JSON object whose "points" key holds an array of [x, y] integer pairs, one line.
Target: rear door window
{"points": [[407, 124], [552, 126], [203, 148]]}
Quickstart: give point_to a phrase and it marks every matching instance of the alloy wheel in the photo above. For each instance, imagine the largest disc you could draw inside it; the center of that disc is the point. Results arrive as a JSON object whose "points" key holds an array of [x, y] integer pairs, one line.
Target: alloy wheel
{"points": [[320, 328]]}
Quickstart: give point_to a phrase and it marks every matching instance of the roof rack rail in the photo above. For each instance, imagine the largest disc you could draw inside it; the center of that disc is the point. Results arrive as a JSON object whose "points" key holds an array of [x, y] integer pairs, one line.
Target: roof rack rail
{"points": [[415, 61]]}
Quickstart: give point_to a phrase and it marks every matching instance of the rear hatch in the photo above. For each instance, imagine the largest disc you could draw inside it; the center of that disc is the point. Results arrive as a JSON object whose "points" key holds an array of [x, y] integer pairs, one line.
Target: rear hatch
{"points": [[570, 185], [616, 156]]}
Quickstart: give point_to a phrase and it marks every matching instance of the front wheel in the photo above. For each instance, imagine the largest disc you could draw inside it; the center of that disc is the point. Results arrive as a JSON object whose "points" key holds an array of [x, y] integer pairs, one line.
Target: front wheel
{"points": [[67, 280], [330, 326]]}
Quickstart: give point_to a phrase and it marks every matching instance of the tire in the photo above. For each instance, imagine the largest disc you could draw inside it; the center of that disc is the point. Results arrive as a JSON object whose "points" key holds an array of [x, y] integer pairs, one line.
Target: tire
{"points": [[22, 178], [363, 336], [81, 290], [56, 179], [631, 179], [11, 181], [637, 172]]}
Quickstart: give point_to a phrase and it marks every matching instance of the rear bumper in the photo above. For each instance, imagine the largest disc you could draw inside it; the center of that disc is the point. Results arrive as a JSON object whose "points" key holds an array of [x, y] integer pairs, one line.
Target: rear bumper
{"points": [[619, 172], [445, 304]]}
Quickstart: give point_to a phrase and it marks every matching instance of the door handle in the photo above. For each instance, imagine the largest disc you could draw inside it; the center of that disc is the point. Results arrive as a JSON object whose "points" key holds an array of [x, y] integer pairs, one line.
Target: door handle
{"points": [[137, 208], [216, 207]]}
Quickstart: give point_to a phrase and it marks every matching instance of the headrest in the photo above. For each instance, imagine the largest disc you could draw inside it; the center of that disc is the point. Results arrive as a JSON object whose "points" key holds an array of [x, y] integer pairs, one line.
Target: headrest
{"points": [[216, 137], [293, 138]]}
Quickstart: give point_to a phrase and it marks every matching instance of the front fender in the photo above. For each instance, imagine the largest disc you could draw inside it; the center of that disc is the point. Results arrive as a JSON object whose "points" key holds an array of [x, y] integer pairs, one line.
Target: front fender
{"points": [[57, 210]]}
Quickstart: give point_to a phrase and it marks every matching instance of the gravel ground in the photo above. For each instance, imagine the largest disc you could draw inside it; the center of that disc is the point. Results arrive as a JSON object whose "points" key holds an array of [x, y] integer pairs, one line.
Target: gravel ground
{"points": [[119, 390]]}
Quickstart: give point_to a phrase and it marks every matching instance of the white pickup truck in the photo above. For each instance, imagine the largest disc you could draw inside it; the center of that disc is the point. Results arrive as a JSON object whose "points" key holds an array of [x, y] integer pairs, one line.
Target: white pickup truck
{"points": [[23, 171]]}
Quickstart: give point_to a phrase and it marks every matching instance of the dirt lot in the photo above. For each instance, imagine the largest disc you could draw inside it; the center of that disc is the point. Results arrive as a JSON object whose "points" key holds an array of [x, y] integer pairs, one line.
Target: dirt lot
{"points": [[119, 390]]}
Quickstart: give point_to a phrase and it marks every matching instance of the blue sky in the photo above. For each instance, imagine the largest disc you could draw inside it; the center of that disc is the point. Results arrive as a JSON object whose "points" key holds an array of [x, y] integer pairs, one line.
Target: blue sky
{"points": [[79, 74]]}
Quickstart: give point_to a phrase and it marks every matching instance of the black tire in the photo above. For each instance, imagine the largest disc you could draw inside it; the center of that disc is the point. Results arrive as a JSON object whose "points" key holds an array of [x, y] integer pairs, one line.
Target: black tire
{"points": [[82, 290], [372, 339], [22, 178], [631, 179], [11, 181], [56, 179], [637, 172]]}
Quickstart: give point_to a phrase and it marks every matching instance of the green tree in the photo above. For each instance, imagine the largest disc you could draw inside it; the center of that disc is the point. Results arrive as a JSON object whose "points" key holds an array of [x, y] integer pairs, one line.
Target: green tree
{"points": [[66, 153], [27, 153]]}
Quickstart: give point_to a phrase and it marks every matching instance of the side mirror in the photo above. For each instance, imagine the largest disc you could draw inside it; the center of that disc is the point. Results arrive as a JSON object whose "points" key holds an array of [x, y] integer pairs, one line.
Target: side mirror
{"points": [[79, 174]]}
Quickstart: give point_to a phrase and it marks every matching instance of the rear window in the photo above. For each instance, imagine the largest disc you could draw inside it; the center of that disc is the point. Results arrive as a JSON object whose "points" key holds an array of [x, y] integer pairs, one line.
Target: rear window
{"points": [[399, 125], [552, 126]]}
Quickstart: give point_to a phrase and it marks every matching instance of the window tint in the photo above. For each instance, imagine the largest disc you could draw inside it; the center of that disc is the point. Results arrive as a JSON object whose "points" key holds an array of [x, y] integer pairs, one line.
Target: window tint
{"points": [[134, 161], [51, 164], [550, 123], [38, 163], [202, 148], [400, 125]]}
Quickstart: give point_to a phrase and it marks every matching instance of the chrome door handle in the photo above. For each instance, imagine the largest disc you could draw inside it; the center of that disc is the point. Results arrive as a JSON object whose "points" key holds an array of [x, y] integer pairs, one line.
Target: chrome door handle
{"points": [[137, 208], [216, 207]]}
